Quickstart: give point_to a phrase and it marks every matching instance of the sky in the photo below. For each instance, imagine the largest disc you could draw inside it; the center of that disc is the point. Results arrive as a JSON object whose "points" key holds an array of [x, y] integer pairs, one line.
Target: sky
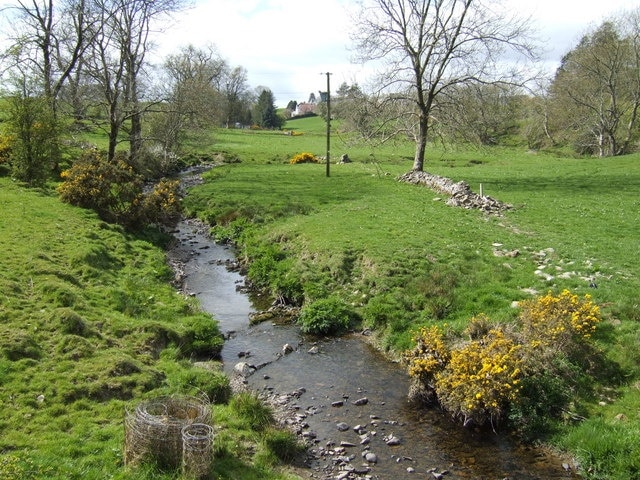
{"points": [[289, 45]]}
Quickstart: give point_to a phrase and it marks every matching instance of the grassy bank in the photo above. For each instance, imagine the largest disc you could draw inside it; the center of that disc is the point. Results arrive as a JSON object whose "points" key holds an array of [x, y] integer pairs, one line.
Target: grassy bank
{"points": [[404, 258], [90, 326]]}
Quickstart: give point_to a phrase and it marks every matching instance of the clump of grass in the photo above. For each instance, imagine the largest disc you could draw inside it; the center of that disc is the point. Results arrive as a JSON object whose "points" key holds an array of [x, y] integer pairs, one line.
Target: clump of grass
{"points": [[327, 316], [252, 410], [284, 445]]}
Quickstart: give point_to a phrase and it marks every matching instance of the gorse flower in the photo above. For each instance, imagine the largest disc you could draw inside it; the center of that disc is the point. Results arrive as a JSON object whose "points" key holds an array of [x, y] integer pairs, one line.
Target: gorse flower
{"points": [[480, 380], [556, 320], [304, 157], [429, 356]]}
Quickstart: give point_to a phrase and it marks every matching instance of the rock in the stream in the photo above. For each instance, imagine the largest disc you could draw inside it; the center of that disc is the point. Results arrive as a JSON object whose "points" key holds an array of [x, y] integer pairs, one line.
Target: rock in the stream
{"points": [[343, 427], [392, 440], [244, 369], [370, 457], [360, 429]]}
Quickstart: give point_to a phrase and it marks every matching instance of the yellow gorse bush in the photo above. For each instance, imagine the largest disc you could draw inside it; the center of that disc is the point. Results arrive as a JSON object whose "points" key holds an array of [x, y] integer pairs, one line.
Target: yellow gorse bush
{"points": [[304, 157], [163, 203], [6, 143], [115, 192], [481, 379], [555, 320], [430, 355]]}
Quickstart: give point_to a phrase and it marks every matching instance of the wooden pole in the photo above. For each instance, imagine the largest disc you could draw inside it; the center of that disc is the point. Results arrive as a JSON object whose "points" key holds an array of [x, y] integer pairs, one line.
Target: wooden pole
{"points": [[328, 122]]}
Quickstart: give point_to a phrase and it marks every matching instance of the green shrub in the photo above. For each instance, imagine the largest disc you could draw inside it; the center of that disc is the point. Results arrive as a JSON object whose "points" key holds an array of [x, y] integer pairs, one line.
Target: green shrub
{"points": [[35, 135], [327, 316]]}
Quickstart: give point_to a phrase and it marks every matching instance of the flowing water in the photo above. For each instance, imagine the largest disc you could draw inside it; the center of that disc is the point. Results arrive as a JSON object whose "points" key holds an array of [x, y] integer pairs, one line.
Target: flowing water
{"points": [[328, 376]]}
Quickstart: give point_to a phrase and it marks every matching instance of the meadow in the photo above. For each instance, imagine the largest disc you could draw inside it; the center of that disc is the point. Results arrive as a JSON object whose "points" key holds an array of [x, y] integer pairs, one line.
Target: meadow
{"points": [[89, 327], [90, 324], [403, 258]]}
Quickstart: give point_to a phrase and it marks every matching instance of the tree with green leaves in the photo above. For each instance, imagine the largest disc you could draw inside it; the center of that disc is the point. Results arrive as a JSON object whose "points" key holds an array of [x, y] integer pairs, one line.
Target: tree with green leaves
{"points": [[596, 90], [34, 129], [265, 114]]}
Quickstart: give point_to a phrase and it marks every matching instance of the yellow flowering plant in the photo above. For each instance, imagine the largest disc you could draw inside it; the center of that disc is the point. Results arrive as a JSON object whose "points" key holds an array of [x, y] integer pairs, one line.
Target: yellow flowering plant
{"points": [[482, 379], [304, 157], [556, 321], [430, 355]]}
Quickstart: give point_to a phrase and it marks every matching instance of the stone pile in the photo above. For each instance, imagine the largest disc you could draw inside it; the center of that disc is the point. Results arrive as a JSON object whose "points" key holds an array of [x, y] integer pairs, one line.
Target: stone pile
{"points": [[460, 194]]}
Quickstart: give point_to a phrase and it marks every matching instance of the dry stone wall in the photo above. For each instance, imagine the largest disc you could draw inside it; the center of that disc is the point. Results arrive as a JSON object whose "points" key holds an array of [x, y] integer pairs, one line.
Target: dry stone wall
{"points": [[460, 194]]}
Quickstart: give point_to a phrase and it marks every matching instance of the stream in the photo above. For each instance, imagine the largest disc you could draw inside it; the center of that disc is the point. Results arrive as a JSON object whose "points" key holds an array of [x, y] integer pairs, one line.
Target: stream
{"points": [[342, 396]]}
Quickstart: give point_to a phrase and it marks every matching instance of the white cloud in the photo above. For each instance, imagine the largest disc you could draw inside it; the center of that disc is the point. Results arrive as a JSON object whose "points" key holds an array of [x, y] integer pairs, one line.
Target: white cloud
{"points": [[283, 44], [286, 44]]}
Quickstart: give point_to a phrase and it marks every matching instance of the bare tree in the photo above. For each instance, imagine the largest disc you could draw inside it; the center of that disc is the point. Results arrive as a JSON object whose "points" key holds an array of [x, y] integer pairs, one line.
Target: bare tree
{"points": [[428, 47], [236, 95], [480, 113], [118, 62], [190, 95], [194, 76], [48, 42]]}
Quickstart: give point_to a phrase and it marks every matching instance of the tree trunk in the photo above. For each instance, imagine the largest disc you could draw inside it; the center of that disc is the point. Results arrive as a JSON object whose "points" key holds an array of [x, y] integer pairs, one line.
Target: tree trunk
{"points": [[114, 128], [421, 143], [135, 137]]}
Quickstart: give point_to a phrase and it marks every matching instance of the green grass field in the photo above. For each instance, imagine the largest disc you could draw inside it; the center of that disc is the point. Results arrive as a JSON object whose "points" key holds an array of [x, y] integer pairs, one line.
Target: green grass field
{"points": [[90, 326], [388, 247], [89, 323]]}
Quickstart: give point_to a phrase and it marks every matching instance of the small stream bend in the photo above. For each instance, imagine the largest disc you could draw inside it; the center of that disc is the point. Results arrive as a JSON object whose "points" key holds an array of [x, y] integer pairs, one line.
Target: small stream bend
{"points": [[347, 400]]}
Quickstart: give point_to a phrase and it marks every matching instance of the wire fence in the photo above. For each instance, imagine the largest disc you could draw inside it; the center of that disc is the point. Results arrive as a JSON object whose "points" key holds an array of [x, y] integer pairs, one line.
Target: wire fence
{"points": [[171, 432]]}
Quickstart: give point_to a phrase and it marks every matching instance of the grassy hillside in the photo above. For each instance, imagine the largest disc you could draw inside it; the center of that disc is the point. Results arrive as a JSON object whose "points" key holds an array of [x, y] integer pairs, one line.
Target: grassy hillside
{"points": [[404, 258], [90, 325], [299, 135]]}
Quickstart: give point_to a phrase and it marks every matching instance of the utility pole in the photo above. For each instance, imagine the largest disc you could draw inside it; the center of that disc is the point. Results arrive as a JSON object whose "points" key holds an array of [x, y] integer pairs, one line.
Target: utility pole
{"points": [[328, 121]]}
